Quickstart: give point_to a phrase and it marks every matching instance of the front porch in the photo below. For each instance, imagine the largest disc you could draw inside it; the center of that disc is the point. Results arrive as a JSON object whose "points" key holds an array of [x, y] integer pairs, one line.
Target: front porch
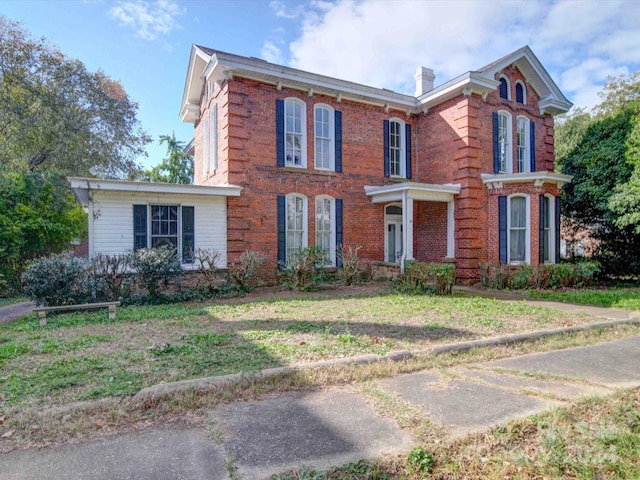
{"points": [[424, 232]]}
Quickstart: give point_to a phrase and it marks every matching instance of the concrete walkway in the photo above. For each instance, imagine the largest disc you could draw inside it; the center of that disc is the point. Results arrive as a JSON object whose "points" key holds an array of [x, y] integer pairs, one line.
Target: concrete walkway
{"points": [[318, 430], [17, 310]]}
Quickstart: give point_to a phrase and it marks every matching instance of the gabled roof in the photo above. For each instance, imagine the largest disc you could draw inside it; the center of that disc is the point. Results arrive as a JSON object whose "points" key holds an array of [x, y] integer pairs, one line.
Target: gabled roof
{"points": [[218, 66]]}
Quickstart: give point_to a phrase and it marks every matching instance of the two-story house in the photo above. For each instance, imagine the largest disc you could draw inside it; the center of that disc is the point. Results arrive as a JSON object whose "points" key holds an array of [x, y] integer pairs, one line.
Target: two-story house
{"points": [[286, 159]]}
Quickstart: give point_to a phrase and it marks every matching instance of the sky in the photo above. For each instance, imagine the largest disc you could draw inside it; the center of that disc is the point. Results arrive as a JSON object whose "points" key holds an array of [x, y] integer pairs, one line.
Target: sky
{"points": [[145, 44]]}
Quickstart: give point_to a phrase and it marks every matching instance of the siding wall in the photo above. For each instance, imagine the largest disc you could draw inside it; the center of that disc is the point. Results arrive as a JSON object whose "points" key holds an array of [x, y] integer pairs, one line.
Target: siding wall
{"points": [[113, 220]]}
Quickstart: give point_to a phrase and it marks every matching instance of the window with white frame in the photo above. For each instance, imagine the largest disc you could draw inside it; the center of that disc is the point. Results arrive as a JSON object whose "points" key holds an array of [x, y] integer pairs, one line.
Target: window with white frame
{"points": [[213, 138], [521, 93], [547, 229], [504, 88], [295, 133], [164, 226], [504, 143], [524, 157], [518, 228], [296, 226], [205, 145], [155, 226], [397, 159], [324, 137], [325, 228]]}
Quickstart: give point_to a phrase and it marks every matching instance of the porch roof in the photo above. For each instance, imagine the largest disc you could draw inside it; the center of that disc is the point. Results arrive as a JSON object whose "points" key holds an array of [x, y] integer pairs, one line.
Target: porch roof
{"points": [[429, 192]]}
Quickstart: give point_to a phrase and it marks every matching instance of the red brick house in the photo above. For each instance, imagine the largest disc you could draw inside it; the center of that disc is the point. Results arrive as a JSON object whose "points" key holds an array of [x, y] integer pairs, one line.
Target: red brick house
{"points": [[463, 171]]}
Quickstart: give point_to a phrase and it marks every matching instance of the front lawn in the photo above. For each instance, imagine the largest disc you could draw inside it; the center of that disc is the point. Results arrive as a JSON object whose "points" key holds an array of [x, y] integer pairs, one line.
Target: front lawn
{"points": [[625, 298]]}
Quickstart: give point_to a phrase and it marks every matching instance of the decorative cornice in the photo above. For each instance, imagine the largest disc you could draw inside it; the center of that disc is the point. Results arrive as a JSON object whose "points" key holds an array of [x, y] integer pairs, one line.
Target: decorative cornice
{"points": [[538, 179]]}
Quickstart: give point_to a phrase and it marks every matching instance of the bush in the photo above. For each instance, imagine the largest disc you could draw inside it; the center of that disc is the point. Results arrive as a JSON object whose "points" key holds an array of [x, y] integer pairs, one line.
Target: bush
{"points": [[59, 279], [109, 272], [418, 275], [242, 272], [207, 260], [352, 268], [305, 270], [155, 267], [560, 275]]}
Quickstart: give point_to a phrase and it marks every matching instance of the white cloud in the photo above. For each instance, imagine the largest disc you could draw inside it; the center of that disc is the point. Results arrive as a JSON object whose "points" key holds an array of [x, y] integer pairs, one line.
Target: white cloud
{"points": [[280, 9], [149, 20], [271, 53], [381, 43]]}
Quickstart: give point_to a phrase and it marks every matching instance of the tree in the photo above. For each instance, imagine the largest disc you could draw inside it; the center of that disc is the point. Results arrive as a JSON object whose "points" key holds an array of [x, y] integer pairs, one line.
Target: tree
{"points": [[54, 113], [38, 216], [602, 152], [176, 168]]}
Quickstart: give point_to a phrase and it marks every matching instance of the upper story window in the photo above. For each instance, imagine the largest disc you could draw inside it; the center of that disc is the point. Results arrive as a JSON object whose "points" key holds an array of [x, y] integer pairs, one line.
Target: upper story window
{"points": [[523, 141], [504, 88], [521, 93], [324, 137], [397, 148], [213, 139], [295, 122], [502, 143], [205, 145]]}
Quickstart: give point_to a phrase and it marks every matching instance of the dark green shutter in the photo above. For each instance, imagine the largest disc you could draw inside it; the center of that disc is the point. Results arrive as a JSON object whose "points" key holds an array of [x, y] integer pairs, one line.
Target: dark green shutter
{"points": [[280, 133], [532, 146], [408, 148], [496, 147], [282, 231], [338, 140], [557, 229], [188, 237], [541, 235], [502, 228], [139, 227], [339, 235], [385, 144]]}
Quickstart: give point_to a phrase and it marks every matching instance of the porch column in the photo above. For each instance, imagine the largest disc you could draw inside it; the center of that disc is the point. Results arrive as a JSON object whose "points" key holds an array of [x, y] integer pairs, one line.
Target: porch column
{"points": [[407, 226], [451, 229]]}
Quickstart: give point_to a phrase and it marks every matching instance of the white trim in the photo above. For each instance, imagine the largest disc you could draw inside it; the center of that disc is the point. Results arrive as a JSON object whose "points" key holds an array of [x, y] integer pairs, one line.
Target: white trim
{"points": [[527, 235], [213, 138], [509, 140], [451, 230], [537, 178], [552, 228], [331, 138], [305, 221], [417, 191], [205, 145], [524, 92], [332, 231], [508, 82], [82, 186], [302, 133], [527, 144], [396, 220], [403, 148]]}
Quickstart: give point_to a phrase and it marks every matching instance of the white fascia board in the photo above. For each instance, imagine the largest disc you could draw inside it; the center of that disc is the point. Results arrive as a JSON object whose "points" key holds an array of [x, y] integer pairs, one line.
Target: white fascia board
{"points": [[193, 83], [537, 178], [553, 106], [471, 82], [93, 184], [190, 112], [416, 191], [244, 66]]}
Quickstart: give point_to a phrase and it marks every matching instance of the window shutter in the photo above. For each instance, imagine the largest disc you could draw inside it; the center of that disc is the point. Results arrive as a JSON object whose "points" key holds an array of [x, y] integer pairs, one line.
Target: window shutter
{"points": [[504, 89], [532, 146], [519, 93], [282, 232], [502, 228], [338, 140], [205, 145], [557, 229], [280, 133], [139, 227], [541, 235], [408, 148], [188, 238], [339, 240], [385, 142], [496, 147]]}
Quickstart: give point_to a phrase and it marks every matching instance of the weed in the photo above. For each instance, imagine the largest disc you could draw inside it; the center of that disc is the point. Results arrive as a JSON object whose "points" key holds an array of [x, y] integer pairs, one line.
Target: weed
{"points": [[419, 461]]}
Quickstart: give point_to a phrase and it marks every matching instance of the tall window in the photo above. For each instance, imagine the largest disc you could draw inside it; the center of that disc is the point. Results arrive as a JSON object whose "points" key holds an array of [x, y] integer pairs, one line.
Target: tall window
{"points": [[164, 226], [324, 141], [504, 142], [504, 88], [325, 220], [296, 225], [213, 136], [521, 93], [523, 144], [518, 229], [396, 148], [205, 145], [295, 127]]}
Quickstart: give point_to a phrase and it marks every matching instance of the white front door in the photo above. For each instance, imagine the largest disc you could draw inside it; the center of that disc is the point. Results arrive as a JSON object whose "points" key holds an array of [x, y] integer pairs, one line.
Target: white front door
{"points": [[394, 241]]}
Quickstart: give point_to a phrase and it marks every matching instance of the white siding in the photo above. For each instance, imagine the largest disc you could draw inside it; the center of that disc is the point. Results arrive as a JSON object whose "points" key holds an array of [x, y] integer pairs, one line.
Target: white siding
{"points": [[113, 220]]}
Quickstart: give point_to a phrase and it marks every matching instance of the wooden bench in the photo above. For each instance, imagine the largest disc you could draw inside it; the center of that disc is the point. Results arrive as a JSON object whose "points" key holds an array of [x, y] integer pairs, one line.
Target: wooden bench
{"points": [[42, 311]]}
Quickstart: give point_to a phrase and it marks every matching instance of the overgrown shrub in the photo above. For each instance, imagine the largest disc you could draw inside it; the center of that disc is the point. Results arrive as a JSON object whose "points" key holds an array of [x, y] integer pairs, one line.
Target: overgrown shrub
{"points": [[243, 271], [155, 268], [109, 273], [418, 276], [559, 275], [59, 279], [353, 268], [305, 270], [207, 266]]}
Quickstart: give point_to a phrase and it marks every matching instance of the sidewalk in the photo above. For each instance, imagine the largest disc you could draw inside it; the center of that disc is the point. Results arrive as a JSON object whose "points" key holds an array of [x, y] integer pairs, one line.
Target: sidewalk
{"points": [[318, 430], [17, 310]]}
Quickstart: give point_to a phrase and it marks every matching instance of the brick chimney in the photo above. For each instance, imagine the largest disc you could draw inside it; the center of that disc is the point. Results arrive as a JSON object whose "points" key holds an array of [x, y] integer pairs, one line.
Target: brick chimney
{"points": [[424, 80]]}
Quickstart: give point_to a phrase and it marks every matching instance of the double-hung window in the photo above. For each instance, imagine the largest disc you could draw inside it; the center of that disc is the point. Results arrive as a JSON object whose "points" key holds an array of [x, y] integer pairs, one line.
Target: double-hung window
{"points": [[397, 148], [524, 159], [294, 133], [172, 226], [296, 226], [503, 143], [396, 152], [518, 230], [324, 137], [325, 228]]}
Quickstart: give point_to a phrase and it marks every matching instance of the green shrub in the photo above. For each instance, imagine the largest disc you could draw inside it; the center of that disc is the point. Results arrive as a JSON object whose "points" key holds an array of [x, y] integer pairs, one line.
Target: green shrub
{"points": [[305, 270], [587, 272], [156, 267], [244, 270], [522, 277], [419, 275], [108, 272], [352, 268], [206, 260], [59, 279]]}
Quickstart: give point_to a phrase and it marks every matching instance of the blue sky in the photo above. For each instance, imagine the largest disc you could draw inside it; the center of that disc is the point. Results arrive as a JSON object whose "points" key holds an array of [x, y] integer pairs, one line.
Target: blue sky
{"points": [[145, 44]]}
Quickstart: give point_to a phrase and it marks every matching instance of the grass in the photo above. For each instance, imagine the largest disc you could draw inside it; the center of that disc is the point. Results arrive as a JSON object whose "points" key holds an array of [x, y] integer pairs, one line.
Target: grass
{"points": [[83, 363], [625, 298]]}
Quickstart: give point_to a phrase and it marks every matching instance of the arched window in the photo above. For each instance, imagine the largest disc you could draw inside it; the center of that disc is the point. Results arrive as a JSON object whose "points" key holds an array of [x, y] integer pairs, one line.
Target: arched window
{"points": [[504, 88], [521, 93], [324, 137]]}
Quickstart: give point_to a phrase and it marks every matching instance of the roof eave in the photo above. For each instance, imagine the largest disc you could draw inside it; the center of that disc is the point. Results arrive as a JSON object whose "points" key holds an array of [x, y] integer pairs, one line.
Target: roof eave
{"points": [[79, 184]]}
